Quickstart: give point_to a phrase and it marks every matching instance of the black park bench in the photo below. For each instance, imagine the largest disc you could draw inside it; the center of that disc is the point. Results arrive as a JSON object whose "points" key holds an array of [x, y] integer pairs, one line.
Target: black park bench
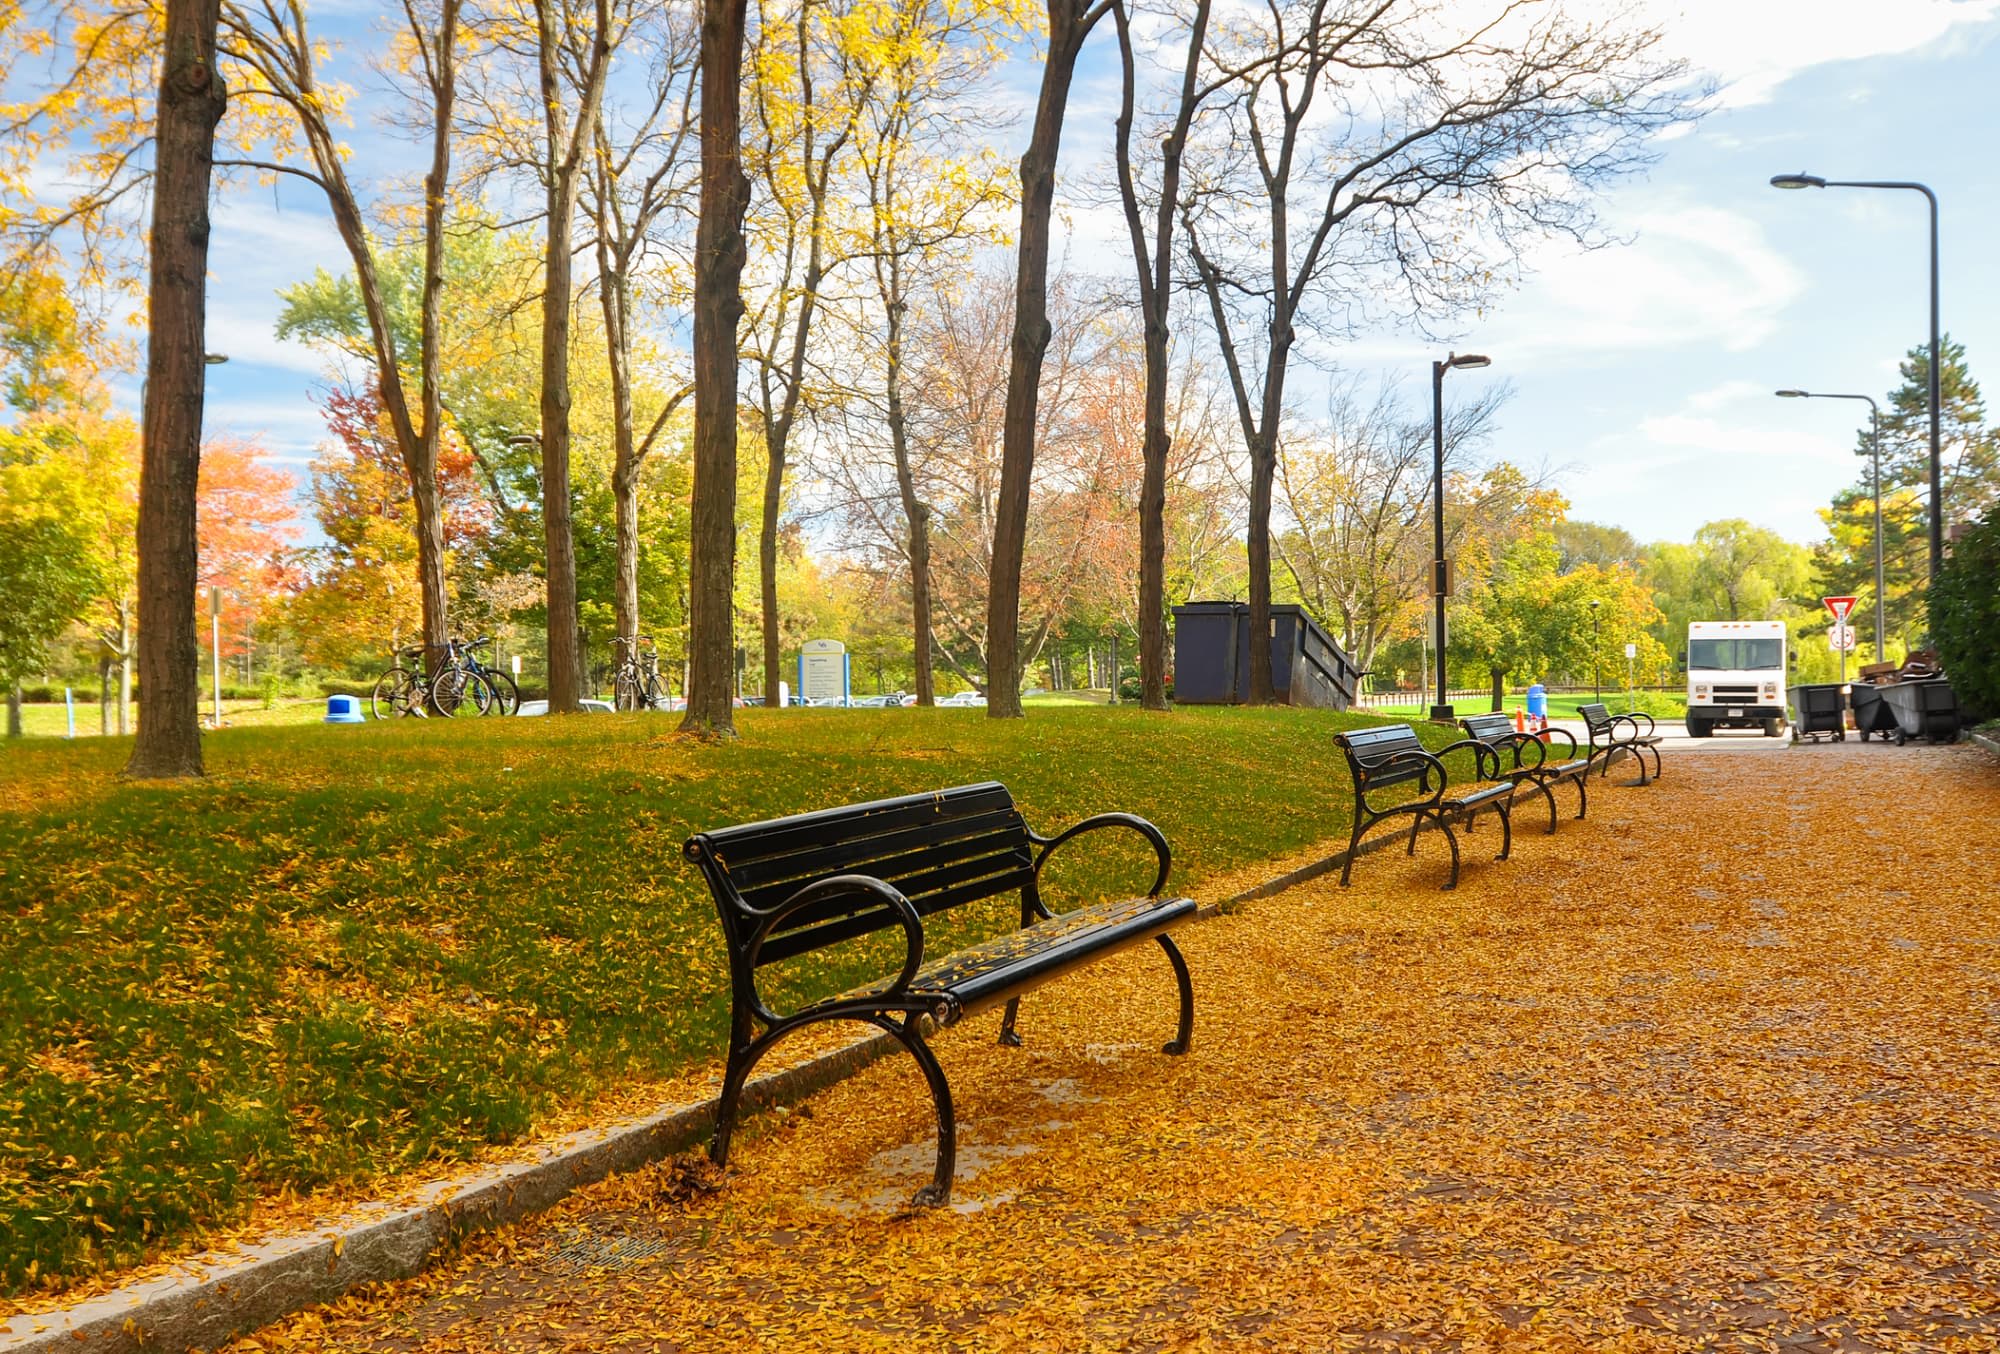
{"points": [[796, 886], [1383, 758], [1609, 733], [1510, 745]]}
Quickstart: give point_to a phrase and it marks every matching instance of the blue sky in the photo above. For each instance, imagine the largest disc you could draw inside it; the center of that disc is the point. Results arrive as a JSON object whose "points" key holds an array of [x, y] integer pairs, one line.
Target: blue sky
{"points": [[1641, 373]]}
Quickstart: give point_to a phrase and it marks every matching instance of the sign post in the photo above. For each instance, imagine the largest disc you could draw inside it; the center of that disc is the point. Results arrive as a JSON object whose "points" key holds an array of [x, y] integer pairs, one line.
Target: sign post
{"points": [[1841, 637], [824, 675]]}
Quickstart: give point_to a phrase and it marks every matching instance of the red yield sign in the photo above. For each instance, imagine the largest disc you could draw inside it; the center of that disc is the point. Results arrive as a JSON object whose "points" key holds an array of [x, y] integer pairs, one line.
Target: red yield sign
{"points": [[1839, 606]]}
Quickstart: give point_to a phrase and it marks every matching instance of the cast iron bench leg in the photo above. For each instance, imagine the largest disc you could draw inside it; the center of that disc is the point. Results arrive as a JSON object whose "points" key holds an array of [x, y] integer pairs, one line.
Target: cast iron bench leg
{"points": [[1008, 1037], [910, 1035], [1185, 1037]]}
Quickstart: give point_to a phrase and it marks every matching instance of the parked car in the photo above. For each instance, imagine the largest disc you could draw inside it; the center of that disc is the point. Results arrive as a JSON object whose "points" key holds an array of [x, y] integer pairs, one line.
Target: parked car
{"points": [[883, 701], [963, 699], [590, 707]]}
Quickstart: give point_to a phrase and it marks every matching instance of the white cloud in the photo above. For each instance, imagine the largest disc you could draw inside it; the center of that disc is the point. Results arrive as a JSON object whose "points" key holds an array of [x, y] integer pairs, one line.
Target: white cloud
{"points": [[1753, 47], [1690, 275]]}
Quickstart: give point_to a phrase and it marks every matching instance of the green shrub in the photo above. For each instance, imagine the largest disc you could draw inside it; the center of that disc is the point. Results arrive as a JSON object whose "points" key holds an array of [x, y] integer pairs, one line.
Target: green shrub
{"points": [[1964, 602], [1128, 690]]}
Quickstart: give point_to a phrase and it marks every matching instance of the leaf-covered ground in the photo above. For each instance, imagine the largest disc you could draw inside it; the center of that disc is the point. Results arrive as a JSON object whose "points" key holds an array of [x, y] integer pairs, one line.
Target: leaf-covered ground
{"points": [[1718, 1068], [360, 951]]}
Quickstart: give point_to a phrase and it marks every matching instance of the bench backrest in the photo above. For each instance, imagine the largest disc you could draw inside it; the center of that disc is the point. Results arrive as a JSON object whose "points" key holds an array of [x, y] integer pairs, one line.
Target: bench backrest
{"points": [[1365, 748], [941, 850], [1489, 728], [1594, 716]]}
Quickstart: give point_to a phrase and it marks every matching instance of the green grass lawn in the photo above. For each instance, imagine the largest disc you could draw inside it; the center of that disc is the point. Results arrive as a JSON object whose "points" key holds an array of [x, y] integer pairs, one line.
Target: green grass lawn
{"points": [[44, 720], [358, 949]]}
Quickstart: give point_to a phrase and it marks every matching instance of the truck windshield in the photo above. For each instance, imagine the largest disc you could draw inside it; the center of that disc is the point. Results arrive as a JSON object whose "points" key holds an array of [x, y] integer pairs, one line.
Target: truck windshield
{"points": [[1737, 655]]}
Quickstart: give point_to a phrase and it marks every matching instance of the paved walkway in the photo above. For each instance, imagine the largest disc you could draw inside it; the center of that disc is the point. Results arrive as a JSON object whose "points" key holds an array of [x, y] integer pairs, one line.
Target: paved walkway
{"points": [[1717, 1068]]}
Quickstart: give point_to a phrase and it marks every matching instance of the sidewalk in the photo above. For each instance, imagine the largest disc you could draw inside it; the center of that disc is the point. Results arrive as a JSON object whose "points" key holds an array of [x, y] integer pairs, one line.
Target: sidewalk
{"points": [[1719, 1066]]}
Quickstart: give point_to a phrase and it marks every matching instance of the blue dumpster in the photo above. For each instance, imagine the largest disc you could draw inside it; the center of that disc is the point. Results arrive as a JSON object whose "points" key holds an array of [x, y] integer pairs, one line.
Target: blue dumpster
{"points": [[1538, 702], [343, 710]]}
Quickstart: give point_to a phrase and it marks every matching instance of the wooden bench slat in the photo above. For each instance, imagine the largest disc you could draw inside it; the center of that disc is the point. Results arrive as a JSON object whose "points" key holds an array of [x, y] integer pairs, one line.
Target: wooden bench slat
{"points": [[752, 876], [827, 827], [889, 865]]}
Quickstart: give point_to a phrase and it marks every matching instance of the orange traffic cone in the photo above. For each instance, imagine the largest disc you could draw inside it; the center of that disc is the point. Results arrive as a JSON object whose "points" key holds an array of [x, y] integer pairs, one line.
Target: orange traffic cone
{"points": [[1520, 723]]}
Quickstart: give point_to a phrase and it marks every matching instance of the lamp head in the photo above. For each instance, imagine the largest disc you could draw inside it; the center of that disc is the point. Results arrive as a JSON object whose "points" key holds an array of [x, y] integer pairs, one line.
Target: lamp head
{"points": [[1467, 361], [1797, 181], [1793, 394], [1596, 602]]}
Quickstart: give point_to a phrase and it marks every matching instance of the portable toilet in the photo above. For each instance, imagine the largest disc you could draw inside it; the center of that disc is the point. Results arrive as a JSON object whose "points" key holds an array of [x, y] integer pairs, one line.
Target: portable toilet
{"points": [[343, 710], [1538, 705]]}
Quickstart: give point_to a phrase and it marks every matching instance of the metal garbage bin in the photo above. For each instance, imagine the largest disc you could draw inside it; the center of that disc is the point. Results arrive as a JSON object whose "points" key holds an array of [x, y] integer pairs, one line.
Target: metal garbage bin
{"points": [[1924, 709], [1871, 713], [1819, 711]]}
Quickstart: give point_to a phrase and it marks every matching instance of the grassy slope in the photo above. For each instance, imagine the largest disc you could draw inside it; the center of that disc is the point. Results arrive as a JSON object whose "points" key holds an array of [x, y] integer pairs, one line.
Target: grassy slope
{"points": [[357, 948]]}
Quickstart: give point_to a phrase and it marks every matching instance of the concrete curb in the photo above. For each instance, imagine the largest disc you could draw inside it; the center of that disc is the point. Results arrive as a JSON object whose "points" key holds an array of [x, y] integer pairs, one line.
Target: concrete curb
{"points": [[216, 1298], [1991, 744]]}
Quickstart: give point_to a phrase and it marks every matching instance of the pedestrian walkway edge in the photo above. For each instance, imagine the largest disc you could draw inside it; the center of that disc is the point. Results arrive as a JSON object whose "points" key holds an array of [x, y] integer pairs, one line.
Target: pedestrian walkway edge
{"points": [[213, 1299]]}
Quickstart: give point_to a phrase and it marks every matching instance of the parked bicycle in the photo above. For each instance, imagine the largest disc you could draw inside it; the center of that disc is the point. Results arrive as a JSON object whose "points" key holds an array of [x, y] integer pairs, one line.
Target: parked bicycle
{"points": [[455, 689], [506, 695], [636, 683]]}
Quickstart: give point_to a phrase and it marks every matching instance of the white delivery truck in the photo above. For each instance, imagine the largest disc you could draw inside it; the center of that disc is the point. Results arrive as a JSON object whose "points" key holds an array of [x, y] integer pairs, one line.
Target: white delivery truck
{"points": [[1736, 677]]}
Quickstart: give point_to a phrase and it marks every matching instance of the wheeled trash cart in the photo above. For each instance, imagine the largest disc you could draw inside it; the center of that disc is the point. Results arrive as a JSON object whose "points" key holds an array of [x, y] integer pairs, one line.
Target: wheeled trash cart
{"points": [[1923, 709], [1819, 711]]}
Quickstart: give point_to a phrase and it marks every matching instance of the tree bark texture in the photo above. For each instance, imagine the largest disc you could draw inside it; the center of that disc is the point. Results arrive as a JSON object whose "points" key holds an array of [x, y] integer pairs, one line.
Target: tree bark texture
{"points": [[1070, 22], [567, 138], [1154, 266], [192, 99], [916, 514], [718, 305]]}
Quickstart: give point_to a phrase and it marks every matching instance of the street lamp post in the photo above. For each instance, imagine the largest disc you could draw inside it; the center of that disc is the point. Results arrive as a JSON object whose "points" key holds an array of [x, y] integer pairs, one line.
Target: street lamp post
{"points": [[1596, 652], [1440, 570], [1875, 449], [1936, 383]]}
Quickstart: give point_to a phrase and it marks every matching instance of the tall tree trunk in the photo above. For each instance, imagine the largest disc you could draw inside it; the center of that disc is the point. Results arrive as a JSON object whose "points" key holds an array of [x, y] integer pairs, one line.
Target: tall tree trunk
{"points": [[612, 294], [767, 565], [718, 305], [1263, 467], [1155, 275], [916, 514], [1070, 23], [14, 708], [104, 695], [192, 99], [566, 139]]}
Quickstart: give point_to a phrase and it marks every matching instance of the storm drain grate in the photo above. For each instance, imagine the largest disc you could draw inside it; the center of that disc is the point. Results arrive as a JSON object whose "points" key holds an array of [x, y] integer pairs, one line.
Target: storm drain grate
{"points": [[585, 1250]]}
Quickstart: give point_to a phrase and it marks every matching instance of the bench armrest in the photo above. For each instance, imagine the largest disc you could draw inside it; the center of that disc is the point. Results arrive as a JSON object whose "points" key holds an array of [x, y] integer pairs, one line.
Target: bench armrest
{"points": [[1634, 719], [1553, 732], [1433, 772], [820, 890], [1481, 752], [1137, 824]]}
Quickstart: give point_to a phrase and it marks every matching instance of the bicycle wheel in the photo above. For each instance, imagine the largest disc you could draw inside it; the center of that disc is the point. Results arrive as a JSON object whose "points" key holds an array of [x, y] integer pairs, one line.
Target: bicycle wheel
{"points": [[506, 695], [656, 692], [625, 692], [457, 692], [391, 695]]}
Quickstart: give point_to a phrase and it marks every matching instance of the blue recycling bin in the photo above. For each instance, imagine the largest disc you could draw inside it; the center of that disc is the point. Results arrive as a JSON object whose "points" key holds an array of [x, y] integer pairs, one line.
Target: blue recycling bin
{"points": [[344, 710], [1538, 701]]}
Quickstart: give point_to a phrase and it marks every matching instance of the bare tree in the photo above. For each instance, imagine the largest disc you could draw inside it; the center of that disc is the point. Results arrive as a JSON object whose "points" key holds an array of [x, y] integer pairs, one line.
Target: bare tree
{"points": [[635, 179], [1154, 263], [1355, 499], [276, 42], [1069, 22], [191, 103], [1386, 150], [718, 304]]}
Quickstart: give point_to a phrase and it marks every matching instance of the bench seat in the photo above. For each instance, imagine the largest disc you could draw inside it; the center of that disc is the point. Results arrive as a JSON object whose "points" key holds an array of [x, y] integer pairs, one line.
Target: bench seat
{"points": [[980, 976], [1514, 747]]}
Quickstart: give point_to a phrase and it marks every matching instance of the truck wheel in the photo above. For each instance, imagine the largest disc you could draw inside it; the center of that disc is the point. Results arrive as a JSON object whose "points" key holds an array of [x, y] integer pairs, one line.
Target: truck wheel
{"points": [[1697, 728], [1774, 728]]}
